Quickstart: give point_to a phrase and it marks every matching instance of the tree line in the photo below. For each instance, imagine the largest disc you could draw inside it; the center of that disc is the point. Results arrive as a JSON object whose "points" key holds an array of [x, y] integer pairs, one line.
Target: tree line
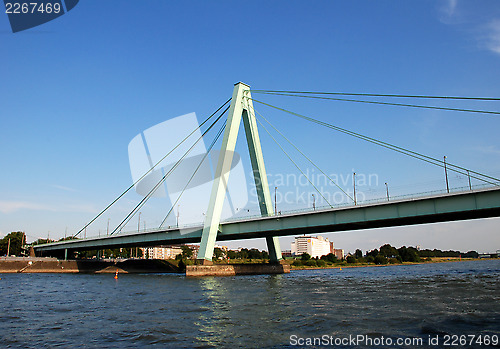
{"points": [[386, 254], [219, 254], [245, 253]]}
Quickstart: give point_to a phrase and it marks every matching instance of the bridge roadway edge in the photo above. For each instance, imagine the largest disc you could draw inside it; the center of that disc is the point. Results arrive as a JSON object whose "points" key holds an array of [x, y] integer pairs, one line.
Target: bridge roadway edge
{"points": [[453, 207]]}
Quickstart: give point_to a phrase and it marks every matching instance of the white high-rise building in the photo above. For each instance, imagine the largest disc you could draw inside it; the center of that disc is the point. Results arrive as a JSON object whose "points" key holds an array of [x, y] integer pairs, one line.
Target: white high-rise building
{"points": [[315, 246]]}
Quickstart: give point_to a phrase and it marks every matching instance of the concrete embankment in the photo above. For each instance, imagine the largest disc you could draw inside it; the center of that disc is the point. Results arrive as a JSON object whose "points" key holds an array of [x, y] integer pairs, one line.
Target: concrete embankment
{"points": [[236, 269], [53, 265]]}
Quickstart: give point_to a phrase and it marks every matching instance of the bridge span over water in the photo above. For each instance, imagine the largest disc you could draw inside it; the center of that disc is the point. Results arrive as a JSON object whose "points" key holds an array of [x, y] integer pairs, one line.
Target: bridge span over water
{"points": [[446, 207], [451, 206]]}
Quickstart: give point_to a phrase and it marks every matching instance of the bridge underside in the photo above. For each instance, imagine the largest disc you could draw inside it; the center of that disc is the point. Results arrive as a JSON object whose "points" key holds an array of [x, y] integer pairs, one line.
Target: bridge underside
{"points": [[444, 208]]}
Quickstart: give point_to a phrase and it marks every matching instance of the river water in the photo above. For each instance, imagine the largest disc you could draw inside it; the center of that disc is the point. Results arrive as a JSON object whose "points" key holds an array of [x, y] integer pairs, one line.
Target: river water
{"points": [[330, 307]]}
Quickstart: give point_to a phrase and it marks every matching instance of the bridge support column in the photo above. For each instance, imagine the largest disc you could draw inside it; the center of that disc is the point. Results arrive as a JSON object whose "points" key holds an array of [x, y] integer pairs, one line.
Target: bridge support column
{"points": [[241, 106]]}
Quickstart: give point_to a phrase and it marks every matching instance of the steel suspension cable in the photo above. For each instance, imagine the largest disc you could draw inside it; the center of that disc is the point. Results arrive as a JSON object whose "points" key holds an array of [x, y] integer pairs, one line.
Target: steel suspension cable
{"points": [[383, 103], [398, 149], [160, 182], [407, 152], [304, 155], [297, 166], [150, 170], [195, 171], [422, 155], [381, 95]]}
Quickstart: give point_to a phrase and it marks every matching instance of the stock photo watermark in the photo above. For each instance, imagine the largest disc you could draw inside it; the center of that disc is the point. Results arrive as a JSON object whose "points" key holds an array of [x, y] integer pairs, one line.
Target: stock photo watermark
{"points": [[32, 13], [170, 160], [313, 188], [438, 340]]}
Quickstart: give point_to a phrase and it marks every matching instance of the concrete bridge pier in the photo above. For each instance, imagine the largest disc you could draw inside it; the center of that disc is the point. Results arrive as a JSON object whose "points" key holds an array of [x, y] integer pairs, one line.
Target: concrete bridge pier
{"points": [[236, 269]]}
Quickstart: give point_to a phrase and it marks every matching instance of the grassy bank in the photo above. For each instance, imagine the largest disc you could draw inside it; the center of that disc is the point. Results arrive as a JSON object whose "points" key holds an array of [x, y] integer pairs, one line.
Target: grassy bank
{"points": [[361, 265]]}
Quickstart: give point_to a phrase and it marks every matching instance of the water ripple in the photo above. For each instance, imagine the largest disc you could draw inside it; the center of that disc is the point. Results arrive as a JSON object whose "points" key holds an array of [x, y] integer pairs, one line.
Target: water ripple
{"points": [[171, 311]]}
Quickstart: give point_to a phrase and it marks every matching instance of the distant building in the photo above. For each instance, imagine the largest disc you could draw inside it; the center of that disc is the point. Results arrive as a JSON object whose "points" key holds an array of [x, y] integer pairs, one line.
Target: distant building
{"points": [[339, 253], [286, 253], [315, 246], [171, 251], [161, 252]]}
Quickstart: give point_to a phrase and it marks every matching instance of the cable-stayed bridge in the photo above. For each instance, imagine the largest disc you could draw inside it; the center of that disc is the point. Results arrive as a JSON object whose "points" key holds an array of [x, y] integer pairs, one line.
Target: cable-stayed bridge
{"points": [[470, 203], [429, 209]]}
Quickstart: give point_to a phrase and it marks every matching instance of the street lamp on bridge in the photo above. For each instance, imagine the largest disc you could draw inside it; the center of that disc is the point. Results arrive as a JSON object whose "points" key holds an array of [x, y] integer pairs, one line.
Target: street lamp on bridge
{"points": [[446, 175], [275, 207], [354, 184]]}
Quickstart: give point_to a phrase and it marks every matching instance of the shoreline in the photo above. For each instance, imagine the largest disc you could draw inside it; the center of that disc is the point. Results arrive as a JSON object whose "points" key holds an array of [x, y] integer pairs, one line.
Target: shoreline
{"points": [[53, 265], [354, 265], [12, 265]]}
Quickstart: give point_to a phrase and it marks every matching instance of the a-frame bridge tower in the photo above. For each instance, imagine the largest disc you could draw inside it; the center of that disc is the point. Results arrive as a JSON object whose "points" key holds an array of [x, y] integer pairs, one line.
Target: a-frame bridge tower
{"points": [[241, 108]]}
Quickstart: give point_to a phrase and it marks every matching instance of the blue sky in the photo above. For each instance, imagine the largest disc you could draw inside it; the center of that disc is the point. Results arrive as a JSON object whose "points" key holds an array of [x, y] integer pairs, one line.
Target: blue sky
{"points": [[75, 91]]}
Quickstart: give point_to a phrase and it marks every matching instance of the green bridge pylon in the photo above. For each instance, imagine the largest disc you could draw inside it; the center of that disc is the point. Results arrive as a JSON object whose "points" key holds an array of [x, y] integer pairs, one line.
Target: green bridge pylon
{"points": [[241, 107]]}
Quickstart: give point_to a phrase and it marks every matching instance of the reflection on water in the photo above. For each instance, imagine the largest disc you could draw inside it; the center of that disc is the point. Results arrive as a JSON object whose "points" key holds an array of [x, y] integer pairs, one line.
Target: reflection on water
{"points": [[171, 311]]}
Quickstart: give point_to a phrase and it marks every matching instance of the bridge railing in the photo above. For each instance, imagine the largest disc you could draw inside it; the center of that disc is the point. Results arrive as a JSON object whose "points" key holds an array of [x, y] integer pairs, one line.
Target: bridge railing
{"points": [[379, 200]]}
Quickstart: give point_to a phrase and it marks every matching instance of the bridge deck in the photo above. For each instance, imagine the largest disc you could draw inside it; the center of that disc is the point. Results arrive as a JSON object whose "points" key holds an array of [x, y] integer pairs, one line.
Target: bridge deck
{"points": [[440, 208]]}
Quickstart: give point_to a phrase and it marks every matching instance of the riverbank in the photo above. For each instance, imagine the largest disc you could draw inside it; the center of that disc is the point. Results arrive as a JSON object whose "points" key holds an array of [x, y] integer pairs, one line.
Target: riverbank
{"points": [[53, 265], [125, 266], [366, 265]]}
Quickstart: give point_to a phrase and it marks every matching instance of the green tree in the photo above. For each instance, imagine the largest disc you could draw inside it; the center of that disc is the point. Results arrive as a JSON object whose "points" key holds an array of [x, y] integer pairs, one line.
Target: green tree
{"points": [[320, 263], [17, 240], [311, 263], [438, 253], [330, 258], [409, 254], [379, 259], [358, 254], [243, 254], [43, 241], [305, 256], [351, 259], [264, 255], [68, 238], [254, 254], [471, 254], [181, 266], [388, 251], [186, 252], [427, 253], [218, 253], [232, 254]]}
